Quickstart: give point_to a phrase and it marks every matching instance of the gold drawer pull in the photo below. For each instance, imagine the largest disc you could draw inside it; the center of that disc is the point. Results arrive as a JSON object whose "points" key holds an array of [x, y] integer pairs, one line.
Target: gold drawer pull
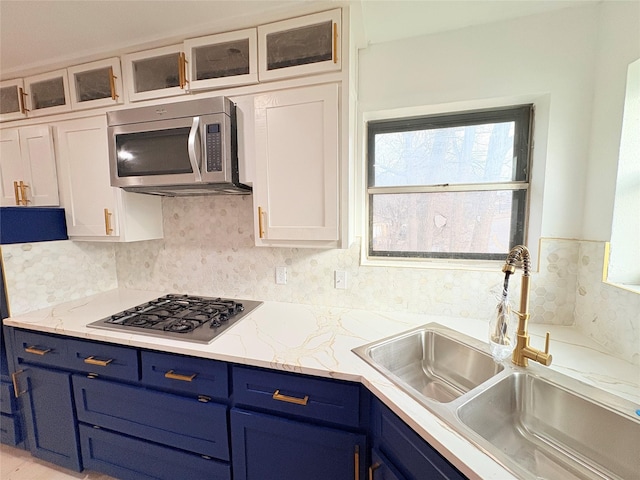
{"points": [[372, 469], [94, 361], [285, 398], [176, 376], [14, 379], [335, 43], [35, 350]]}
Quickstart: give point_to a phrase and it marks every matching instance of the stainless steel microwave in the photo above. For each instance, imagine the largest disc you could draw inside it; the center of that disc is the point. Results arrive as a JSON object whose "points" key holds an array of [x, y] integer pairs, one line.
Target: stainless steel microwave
{"points": [[177, 149]]}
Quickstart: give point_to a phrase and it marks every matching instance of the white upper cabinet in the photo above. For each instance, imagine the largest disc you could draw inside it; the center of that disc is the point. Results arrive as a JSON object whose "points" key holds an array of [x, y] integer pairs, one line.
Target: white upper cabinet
{"points": [[47, 93], [94, 209], [300, 46], [155, 73], [296, 187], [96, 84], [28, 167], [224, 60], [12, 100]]}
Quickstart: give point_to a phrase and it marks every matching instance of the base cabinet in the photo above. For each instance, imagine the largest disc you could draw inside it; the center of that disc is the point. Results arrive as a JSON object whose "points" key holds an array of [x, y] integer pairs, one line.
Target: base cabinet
{"points": [[268, 447]]}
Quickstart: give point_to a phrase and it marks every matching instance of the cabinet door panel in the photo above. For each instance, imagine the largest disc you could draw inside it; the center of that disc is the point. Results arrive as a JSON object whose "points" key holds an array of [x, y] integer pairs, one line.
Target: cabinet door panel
{"points": [[49, 417], [12, 105], [39, 159], [97, 84], [266, 447], [11, 169], [48, 93]]}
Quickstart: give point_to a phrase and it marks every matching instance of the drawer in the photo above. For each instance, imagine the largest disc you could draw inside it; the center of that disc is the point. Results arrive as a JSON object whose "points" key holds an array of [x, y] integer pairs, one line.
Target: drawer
{"points": [[292, 394], [40, 349], [173, 420], [10, 432], [133, 459], [103, 359], [407, 450], [197, 376], [7, 398]]}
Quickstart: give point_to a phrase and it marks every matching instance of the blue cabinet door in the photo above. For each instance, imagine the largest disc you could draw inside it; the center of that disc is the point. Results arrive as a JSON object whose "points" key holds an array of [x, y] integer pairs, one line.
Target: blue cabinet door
{"points": [[49, 416], [265, 447]]}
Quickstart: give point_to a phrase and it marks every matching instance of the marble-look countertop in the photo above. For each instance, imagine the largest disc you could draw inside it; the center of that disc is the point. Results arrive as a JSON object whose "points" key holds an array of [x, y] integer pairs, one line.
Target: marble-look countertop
{"points": [[318, 340]]}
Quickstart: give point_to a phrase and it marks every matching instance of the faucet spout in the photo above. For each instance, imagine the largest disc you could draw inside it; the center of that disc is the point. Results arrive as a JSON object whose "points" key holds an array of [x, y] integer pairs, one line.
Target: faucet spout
{"points": [[523, 352]]}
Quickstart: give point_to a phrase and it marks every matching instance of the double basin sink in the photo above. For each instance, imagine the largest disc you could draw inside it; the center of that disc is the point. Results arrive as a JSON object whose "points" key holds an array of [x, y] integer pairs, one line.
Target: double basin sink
{"points": [[534, 421]]}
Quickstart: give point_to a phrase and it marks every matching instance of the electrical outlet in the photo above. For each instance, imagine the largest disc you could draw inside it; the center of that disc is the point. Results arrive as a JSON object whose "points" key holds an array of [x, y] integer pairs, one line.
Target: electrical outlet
{"points": [[340, 279], [281, 275]]}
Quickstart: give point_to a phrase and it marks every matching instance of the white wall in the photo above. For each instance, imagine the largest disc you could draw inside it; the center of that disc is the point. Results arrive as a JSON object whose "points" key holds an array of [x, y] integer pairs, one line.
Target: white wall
{"points": [[548, 58]]}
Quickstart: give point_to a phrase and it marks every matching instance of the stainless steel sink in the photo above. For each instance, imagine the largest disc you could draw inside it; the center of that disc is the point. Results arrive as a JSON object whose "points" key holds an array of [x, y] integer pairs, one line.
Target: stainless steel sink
{"points": [[534, 421], [432, 362], [554, 432]]}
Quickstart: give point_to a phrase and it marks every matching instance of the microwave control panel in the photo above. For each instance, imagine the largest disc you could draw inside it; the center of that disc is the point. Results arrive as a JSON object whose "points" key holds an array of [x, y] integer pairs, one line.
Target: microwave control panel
{"points": [[214, 147]]}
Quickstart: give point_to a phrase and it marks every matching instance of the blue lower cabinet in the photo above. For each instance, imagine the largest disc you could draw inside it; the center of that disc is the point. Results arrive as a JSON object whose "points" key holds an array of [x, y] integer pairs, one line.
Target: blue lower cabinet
{"points": [[49, 416], [266, 447], [130, 458]]}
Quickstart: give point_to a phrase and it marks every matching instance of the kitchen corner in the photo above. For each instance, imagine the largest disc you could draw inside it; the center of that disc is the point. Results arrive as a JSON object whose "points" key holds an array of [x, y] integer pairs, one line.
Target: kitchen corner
{"points": [[317, 340]]}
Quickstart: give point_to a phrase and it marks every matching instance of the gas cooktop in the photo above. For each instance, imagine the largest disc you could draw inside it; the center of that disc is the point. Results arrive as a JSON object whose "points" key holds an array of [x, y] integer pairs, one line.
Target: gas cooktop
{"points": [[185, 317]]}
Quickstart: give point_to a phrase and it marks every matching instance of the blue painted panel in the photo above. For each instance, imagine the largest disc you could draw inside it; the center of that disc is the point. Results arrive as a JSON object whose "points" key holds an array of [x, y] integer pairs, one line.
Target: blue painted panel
{"points": [[10, 431], [32, 224]]}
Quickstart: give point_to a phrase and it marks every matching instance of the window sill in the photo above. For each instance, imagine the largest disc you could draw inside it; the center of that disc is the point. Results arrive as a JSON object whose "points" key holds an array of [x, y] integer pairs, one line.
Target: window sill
{"points": [[432, 263], [625, 286]]}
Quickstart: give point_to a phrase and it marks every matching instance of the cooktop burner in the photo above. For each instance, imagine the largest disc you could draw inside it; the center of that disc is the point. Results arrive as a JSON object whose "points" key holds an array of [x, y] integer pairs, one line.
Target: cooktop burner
{"points": [[187, 317]]}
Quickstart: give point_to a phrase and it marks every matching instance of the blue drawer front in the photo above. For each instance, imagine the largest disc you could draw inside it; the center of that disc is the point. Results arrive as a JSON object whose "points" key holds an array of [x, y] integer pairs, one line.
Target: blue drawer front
{"points": [[181, 422], [407, 450], [40, 349], [7, 398], [103, 359], [10, 432], [326, 400], [197, 376], [132, 459], [32, 224]]}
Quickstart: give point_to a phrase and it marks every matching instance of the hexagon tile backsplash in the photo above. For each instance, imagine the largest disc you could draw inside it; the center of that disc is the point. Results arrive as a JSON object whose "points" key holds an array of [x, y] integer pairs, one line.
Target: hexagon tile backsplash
{"points": [[209, 249]]}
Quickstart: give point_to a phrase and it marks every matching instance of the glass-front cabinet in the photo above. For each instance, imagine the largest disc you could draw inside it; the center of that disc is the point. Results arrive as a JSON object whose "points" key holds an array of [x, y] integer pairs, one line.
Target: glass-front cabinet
{"points": [[300, 46], [155, 73], [96, 84], [222, 60], [47, 93], [12, 100]]}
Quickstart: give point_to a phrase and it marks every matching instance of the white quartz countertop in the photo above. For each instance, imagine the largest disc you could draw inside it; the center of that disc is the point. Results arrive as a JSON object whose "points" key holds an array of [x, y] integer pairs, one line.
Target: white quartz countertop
{"points": [[317, 340]]}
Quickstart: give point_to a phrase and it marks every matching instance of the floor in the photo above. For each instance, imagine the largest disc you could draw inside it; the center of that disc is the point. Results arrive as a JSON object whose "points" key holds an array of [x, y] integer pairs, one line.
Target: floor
{"points": [[17, 464]]}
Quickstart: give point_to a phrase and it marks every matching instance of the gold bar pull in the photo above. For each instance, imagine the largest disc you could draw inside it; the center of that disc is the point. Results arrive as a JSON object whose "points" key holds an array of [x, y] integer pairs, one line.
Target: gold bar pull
{"points": [[176, 376], [285, 398], [36, 351], [356, 461], [372, 469], [23, 108], [261, 213], [23, 193], [94, 361], [14, 379], [335, 43], [16, 192], [107, 222], [112, 84], [182, 70]]}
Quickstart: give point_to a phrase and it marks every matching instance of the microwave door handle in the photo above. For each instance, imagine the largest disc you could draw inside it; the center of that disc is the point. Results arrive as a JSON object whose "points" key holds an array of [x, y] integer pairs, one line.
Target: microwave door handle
{"points": [[193, 157]]}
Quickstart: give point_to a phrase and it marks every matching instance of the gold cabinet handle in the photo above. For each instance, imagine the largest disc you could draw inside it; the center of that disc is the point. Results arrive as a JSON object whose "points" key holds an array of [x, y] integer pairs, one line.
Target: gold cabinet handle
{"points": [[176, 376], [94, 361], [335, 43], [23, 108], [16, 192], [182, 70], [261, 213], [23, 192], [14, 379], [372, 469], [107, 222], [112, 84], [356, 462], [36, 351], [285, 398]]}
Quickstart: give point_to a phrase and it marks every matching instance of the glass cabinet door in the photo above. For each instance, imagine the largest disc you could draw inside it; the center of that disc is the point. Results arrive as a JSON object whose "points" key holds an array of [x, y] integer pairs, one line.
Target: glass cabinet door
{"points": [[48, 93], [96, 84], [155, 73], [300, 46], [12, 100], [222, 60]]}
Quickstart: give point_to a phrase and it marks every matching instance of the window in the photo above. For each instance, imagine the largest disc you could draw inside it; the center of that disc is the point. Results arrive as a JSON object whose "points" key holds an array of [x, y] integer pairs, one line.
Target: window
{"points": [[449, 186]]}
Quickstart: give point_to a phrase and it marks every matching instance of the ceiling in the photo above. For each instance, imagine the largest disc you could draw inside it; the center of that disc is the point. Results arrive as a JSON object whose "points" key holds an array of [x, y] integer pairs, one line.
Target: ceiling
{"points": [[42, 35]]}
